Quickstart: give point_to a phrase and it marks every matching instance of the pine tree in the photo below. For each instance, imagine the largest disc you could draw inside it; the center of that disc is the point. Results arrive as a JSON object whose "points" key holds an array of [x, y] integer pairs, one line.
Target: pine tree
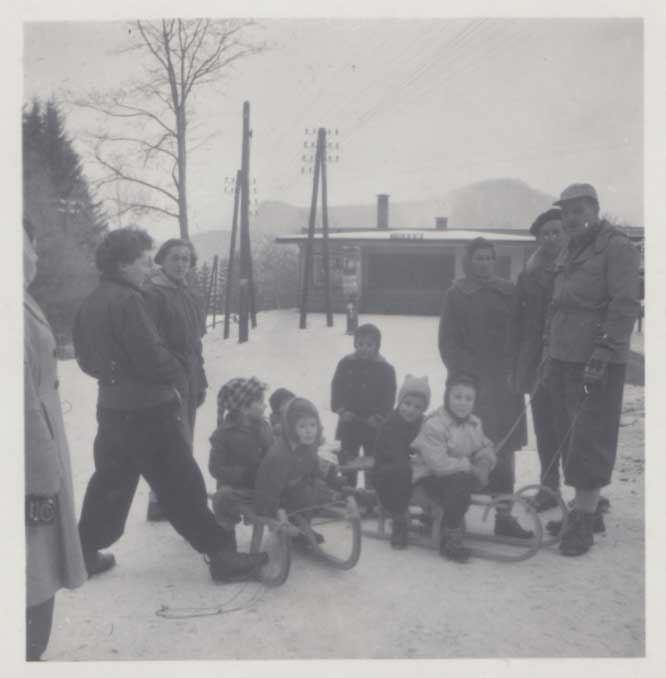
{"points": [[68, 222]]}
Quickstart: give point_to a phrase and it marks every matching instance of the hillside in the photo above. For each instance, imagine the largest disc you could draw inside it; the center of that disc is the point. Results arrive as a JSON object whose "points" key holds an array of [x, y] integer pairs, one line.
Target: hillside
{"points": [[494, 203]]}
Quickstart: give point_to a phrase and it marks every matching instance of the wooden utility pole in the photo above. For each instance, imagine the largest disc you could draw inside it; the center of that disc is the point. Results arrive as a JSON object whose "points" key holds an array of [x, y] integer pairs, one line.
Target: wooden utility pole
{"points": [[307, 267], [212, 289], [244, 266], [232, 254], [321, 140]]}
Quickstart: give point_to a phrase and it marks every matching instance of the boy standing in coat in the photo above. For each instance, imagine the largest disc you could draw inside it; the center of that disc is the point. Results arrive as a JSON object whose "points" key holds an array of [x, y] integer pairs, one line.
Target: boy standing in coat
{"points": [[362, 395]]}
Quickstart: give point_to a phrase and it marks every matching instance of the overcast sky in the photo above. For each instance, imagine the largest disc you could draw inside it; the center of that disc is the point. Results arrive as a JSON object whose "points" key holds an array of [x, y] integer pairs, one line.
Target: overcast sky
{"points": [[422, 106]]}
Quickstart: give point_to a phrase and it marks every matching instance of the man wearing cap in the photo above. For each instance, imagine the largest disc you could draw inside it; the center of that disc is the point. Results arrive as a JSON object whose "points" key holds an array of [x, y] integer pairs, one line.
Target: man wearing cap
{"points": [[590, 320], [534, 289]]}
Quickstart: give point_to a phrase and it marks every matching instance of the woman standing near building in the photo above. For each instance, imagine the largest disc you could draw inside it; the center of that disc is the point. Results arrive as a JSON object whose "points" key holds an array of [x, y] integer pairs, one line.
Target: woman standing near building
{"points": [[53, 548], [475, 333], [179, 316]]}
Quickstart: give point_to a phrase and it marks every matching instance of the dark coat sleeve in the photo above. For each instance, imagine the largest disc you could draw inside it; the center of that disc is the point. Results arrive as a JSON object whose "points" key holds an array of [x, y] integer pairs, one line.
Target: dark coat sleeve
{"points": [[388, 391], [622, 275], [148, 356], [336, 387], [451, 346]]}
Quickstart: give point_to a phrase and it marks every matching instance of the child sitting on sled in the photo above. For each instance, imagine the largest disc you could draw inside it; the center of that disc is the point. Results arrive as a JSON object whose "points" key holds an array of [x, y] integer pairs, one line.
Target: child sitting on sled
{"points": [[290, 476], [393, 469], [362, 395], [238, 445], [453, 458]]}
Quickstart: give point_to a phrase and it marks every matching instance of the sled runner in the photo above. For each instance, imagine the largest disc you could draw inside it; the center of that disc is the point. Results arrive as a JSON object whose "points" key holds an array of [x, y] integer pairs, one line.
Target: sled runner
{"points": [[425, 520], [330, 532]]}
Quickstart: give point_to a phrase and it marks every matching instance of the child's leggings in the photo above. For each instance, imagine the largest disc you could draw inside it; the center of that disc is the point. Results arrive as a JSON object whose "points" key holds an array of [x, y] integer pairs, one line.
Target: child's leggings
{"points": [[453, 493]]}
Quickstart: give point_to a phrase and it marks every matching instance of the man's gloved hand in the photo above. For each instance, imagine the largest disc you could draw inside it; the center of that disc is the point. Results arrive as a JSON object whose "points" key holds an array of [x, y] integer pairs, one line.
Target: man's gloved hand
{"points": [[596, 368], [346, 416]]}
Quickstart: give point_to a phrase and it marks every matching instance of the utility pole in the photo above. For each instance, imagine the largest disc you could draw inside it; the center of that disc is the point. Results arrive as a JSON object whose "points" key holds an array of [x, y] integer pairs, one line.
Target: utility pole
{"points": [[212, 288], [232, 254], [307, 268], [244, 266], [324, 223]]}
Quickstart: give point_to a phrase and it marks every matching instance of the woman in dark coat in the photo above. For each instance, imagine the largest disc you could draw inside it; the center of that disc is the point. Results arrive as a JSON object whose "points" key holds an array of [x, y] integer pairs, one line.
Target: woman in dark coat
{"points": [[179, 316], [475, 333], [54, 558]]}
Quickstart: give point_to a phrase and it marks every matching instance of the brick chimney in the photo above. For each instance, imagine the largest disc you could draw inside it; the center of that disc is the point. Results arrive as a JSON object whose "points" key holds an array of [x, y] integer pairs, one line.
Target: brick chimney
{"points": [[383, 211], [441, 223]]}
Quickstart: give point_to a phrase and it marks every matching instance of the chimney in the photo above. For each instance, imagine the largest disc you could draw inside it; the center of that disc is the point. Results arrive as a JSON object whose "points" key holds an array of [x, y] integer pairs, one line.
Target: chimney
{"points": [[441, 223], [383, 211]]}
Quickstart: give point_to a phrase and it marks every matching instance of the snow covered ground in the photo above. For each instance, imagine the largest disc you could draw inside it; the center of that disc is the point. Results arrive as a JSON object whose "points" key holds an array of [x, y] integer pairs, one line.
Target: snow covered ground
{"points": [[393, 604]]}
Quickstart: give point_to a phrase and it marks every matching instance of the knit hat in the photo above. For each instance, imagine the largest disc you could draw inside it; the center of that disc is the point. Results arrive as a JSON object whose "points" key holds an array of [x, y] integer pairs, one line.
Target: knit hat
{"points": [[295, 409], [237, 393], [278, 398], [576, 191], [415, 386]]}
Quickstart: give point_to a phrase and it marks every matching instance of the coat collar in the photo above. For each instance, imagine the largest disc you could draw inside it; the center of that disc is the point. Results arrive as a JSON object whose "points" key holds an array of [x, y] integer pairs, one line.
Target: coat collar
{"points": [[470, 285], [119, 280], [161, 279], [598, 243]]}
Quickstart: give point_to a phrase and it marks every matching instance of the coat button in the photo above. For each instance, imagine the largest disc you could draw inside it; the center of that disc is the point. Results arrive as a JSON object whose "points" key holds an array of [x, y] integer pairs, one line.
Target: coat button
{"points": [[56, 384]]}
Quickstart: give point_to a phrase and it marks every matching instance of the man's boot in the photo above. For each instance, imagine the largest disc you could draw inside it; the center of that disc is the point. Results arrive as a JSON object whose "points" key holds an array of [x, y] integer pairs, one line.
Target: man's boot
{"points": [[97, 562], [554, 527], [577, 538]]}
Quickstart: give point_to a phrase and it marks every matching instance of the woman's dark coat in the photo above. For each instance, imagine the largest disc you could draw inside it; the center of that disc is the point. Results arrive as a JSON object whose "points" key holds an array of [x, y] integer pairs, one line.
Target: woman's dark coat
{"points": [[475, 333]]}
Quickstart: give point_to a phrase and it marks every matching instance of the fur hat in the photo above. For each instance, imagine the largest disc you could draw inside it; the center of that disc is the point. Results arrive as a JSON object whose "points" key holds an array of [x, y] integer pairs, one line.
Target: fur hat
{"points": [[415, 386], [296, 409], [278, 398]]}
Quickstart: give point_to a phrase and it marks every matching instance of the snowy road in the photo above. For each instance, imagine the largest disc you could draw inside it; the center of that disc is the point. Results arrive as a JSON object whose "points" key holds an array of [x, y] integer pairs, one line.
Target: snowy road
{"points": [[393, 604]]}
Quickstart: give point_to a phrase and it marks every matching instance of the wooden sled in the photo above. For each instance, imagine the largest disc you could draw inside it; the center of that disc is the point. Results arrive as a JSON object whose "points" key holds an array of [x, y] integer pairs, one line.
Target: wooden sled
{"points": [[425, 520], [338, 522]]}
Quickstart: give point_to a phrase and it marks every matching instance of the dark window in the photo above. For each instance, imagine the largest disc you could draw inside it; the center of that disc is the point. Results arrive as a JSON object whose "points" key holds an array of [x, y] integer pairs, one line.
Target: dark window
{"points": [[410, 271]]}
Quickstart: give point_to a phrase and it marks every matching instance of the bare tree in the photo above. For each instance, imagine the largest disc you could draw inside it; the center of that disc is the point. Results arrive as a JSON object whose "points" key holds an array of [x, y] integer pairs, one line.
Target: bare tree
{"points": [[145, 139]]}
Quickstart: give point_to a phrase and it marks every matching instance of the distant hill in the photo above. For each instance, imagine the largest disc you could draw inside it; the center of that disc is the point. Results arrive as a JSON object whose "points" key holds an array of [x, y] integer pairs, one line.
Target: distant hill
{"points": [[497, 203], [494, 203]]}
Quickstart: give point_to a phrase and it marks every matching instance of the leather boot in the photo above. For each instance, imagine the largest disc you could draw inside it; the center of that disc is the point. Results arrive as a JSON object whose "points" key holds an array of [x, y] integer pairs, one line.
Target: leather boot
{"points": [[577, 538], [97, 562], [399, 533], [451, 545]]}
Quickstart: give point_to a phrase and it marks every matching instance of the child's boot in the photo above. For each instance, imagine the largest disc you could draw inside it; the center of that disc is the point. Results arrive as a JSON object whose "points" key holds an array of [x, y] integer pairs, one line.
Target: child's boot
{"points": [[507, 526], [451, 545], [577, 538], [399, 530]]}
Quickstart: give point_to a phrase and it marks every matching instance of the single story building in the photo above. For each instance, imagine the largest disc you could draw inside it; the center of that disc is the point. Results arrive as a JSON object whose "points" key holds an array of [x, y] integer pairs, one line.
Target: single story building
{"points": [[402, 271]]}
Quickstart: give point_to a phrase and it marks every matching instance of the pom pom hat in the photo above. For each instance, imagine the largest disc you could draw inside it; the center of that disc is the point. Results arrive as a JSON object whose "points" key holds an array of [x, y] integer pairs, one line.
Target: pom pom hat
{"points": [[415, 386]]}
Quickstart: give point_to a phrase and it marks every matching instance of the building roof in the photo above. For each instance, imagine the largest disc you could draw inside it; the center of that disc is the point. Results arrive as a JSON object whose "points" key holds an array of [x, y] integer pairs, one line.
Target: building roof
{"points": [[411, 235]]}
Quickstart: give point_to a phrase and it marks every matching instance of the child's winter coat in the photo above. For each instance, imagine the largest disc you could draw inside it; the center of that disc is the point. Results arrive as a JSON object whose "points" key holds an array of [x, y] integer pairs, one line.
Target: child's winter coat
{"points": [[236, 451], [290, 476], [363, 387], [394, 439], [445, 446]]}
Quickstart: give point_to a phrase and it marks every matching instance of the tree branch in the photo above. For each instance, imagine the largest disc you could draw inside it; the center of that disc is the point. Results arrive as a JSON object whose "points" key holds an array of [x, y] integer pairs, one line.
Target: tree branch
{"points": [[119, 174]]}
